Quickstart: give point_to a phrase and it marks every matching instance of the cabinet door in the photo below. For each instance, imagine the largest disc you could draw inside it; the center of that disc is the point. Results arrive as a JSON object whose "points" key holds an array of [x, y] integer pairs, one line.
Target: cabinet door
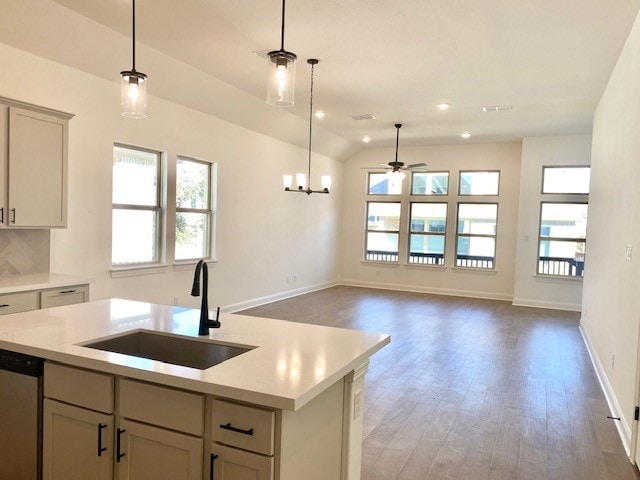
{"points": [[64, 296], [37, 169], [77, 443], [234, 464], [4, 142], [147, 452]]}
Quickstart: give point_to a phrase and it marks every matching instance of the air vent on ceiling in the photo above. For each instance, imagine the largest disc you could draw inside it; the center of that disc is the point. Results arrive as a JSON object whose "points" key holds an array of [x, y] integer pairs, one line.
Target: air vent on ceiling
{"points": [[496, 108], [366, 116]]}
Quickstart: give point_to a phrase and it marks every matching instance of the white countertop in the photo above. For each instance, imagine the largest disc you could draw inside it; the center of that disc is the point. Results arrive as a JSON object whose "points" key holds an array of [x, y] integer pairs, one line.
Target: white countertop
{"points": [[293, 362], [39, 281]]}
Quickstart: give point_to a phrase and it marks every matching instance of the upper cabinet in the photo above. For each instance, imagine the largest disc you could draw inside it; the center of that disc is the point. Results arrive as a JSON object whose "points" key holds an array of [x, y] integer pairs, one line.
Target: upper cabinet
{"points": [[33, 166]]}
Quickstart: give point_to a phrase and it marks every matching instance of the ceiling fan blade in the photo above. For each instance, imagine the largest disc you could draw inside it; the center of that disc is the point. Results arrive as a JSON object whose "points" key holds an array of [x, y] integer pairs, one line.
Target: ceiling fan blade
{"points": [[417, 165], [374, 168]]}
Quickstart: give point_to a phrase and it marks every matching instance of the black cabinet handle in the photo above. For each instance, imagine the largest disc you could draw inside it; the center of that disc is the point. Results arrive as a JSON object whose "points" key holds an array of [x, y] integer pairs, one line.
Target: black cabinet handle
{"points": [[1, 214], [212, 459], [101, 426], [13, 210], [4, 305], [119, 455], [237, 430], [67, 291]]}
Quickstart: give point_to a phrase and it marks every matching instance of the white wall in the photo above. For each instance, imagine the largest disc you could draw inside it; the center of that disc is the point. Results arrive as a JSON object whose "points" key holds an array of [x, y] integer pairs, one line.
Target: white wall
{"points": [[452, 281], [531, 289], [611, 296], [262, 234]]}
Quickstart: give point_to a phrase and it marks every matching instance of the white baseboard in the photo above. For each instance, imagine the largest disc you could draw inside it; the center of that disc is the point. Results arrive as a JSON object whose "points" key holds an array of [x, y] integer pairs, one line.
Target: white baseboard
{"points": [[256, 302], [419, 289], [525, 302], [624, 430]]}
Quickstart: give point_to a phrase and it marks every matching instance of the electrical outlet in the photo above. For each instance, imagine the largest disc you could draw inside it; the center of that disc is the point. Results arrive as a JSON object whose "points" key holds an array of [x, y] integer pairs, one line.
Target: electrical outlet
{"points": [[295, 278], [377, 273], [288, 279], [357, 404], [628, 253], [175, 300]]}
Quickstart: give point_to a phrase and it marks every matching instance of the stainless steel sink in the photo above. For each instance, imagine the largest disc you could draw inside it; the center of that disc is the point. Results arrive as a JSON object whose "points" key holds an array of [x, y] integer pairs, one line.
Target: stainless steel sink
{"points": [[185, 351]]}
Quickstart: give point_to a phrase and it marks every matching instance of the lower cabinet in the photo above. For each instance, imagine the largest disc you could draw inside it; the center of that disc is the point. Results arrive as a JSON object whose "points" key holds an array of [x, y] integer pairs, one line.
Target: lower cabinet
{"points": [[77, 443], [144, 452], [234, 464]]}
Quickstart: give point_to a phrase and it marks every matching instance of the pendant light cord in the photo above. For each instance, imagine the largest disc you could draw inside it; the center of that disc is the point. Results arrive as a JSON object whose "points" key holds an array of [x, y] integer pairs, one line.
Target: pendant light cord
{"points": [[282, 32], [134, 36], [310, 123]]}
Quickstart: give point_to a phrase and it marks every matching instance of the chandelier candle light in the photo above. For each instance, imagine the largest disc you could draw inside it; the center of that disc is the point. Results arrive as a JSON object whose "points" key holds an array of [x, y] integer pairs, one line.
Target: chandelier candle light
{"points": [[133, 87], [301, 178], [282, 74]]}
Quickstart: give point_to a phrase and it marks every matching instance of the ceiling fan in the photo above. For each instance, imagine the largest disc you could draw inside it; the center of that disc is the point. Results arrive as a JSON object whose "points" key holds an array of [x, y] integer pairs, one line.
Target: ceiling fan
{"points": [[396, 166]]}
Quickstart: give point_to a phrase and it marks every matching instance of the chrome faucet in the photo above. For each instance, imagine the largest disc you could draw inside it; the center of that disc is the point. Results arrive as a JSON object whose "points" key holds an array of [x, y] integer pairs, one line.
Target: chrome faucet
{"points": [[205, 322]]}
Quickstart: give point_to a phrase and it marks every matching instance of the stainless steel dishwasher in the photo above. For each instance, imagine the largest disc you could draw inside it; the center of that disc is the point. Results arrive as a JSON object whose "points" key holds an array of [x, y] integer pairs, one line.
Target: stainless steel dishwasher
{"points": [[20, 416]]}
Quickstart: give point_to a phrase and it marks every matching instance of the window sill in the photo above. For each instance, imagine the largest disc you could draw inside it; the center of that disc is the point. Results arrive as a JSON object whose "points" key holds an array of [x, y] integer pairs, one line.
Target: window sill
{"points": [[374, 262], [440, 268], [481, 271], [556, 278], [182, 265], [132, 271]]}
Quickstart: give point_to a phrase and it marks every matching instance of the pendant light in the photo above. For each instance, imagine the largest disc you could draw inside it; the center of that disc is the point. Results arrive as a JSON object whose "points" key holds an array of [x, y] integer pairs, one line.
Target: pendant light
{"points": [[133, 87], [301, 178], [282, 74]]}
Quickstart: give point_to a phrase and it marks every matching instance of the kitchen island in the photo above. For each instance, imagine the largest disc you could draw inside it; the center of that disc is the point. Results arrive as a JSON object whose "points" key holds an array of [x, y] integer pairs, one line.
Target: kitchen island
{"points": [[290, 407]]}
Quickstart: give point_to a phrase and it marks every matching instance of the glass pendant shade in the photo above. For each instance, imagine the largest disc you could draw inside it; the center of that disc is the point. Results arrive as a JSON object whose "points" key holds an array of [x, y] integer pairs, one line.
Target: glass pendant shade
{"points": [[326, 182], [133, 94], [287, 180], [301, 180], [282, 78]]}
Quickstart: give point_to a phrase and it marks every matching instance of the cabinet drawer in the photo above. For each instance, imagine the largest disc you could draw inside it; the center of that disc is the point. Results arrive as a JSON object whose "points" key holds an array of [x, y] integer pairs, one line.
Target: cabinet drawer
{"points": [[18, 302], [232, 463], [64, 296], [243, 426], [79, 387], [162, 406]]}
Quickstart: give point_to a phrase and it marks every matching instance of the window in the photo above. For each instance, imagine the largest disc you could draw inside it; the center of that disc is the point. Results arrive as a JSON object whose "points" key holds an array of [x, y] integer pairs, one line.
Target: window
{"points": [[431, 183], [479, 183], [137, 210], [427, 233], [567, 180], [476, 235], [383, 184], [563, 230], [193, 209], [383, 231]]}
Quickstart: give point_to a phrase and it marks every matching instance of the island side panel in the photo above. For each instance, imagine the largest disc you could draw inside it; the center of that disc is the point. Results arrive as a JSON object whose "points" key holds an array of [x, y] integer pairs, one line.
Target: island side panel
{"points": [[353, 421], [310, 440]]}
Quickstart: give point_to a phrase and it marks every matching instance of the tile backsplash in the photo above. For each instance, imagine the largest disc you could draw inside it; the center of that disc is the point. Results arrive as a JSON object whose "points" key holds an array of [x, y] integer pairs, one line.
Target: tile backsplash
{"points": [[24, 251]]}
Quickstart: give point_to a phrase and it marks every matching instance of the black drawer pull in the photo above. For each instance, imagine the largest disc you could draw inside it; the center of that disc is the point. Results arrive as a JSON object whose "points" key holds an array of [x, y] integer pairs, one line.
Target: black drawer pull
{"points": [[13, 210], [212, 459], [237, 430], [67, 291], [4, 305], [101, 449], [119, 444]]}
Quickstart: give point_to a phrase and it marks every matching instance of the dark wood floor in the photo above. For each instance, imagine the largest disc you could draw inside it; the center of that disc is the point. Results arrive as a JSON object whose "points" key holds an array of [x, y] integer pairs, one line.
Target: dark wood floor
{"points": [[472, 389]]}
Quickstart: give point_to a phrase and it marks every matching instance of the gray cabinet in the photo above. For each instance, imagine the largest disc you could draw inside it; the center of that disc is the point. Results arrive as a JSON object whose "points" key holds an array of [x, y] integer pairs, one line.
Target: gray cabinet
{"points": [[33, 166]]}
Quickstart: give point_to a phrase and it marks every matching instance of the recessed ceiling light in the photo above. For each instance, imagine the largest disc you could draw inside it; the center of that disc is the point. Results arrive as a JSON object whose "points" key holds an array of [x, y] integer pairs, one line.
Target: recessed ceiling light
{"points": [[366, 139], [444, 106], [466, 135], [319, 114]]}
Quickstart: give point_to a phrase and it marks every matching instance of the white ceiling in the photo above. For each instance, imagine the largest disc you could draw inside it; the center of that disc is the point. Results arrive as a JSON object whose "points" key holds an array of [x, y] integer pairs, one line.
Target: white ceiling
{"points": [[549, 59]]}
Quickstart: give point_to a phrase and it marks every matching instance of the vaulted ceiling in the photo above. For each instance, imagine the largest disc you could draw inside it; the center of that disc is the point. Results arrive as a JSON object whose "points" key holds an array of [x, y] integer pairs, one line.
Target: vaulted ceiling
{"points": [[547, 59]]}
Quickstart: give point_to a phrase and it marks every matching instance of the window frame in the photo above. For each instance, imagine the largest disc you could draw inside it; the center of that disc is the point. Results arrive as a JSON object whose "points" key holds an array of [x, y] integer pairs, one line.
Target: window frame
{"points": [[561, 239], [208, 241], [443, 234], [159, 208], [552, 167], [367, 231], [430, 194], [469, 235], [460, 194]]}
